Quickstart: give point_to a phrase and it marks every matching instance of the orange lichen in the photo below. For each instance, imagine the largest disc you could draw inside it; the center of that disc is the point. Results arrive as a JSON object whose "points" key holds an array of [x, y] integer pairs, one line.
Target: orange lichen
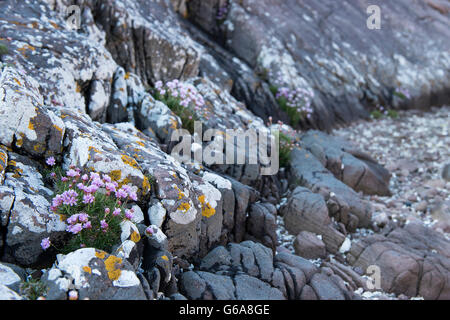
{"points": [[100, 254], [165, 258], [184, 206], [129, 161], [87, 269], [115, 175], [146, 185], [135, 237], [181, 194], [207, 210], [127, 76], [111, 266]]}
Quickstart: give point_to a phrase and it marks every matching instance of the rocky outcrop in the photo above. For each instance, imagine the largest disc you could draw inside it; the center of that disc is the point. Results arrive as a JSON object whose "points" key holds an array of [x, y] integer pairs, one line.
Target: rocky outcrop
{"points": [[348, 66], [25, 212], [93, 274], [413, 260], [249, 271]]}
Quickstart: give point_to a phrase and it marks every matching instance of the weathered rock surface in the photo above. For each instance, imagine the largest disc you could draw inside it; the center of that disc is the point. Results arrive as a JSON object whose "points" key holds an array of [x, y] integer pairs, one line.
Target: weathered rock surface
{"points": [[307, 211], [249, 271], [95, 275], [353, 68], [25, 212], [348, 164], [309, 246], [413, 260], [344, 204], [24, 121]]}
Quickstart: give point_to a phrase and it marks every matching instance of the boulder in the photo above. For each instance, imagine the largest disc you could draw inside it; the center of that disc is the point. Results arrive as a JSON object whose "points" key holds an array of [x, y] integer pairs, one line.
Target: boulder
{"points": [[309, 246], [413, 260], [94, 274]]}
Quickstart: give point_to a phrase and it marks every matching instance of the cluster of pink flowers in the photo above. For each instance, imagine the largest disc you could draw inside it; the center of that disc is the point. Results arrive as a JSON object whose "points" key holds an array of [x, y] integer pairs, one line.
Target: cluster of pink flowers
{"points": [[187, 93], [299, 98], [78, 198], [288, 132], [403, 92], [78, 222]]}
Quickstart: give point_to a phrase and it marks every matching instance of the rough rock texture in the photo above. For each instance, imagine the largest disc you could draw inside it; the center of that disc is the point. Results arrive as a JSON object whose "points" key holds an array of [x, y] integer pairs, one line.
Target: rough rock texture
{"points": [[307, 211], [327, 47], [249, 271], [83, 97], [342, 201], [309, 246], [25, 212], [25, 123], [413, 260], [347, 163], [95, 275]]}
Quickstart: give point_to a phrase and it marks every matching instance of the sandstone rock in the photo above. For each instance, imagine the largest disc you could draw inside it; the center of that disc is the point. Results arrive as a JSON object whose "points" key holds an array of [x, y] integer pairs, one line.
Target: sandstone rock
{"points": [[157, 116], [263, 36], [353, 167], [69, 62], [343, 202], [413, 260], [446, 172], [307, 211], [261, 224], [309, 246]]}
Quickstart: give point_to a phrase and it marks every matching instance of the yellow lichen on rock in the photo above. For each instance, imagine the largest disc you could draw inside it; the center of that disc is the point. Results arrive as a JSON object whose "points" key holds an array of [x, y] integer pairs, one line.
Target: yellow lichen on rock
{"points": [[87, 269], [111, 266], [115, 175], [207, 210], [129, 161], [135, 237], [100, 254], [184, 206]]}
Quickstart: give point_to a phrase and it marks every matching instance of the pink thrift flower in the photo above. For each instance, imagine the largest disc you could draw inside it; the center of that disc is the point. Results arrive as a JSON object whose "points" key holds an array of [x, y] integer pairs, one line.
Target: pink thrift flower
{"points": [[107, 210], [72, 173], [133, 196], [87, 225], [69, 197], [85, 177], [117, 212], [88, 198], [51, 161], [75, 228], [83, 217], [128, 214], [110, 187], [103, 224], [45, 243], [121, 193]]}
